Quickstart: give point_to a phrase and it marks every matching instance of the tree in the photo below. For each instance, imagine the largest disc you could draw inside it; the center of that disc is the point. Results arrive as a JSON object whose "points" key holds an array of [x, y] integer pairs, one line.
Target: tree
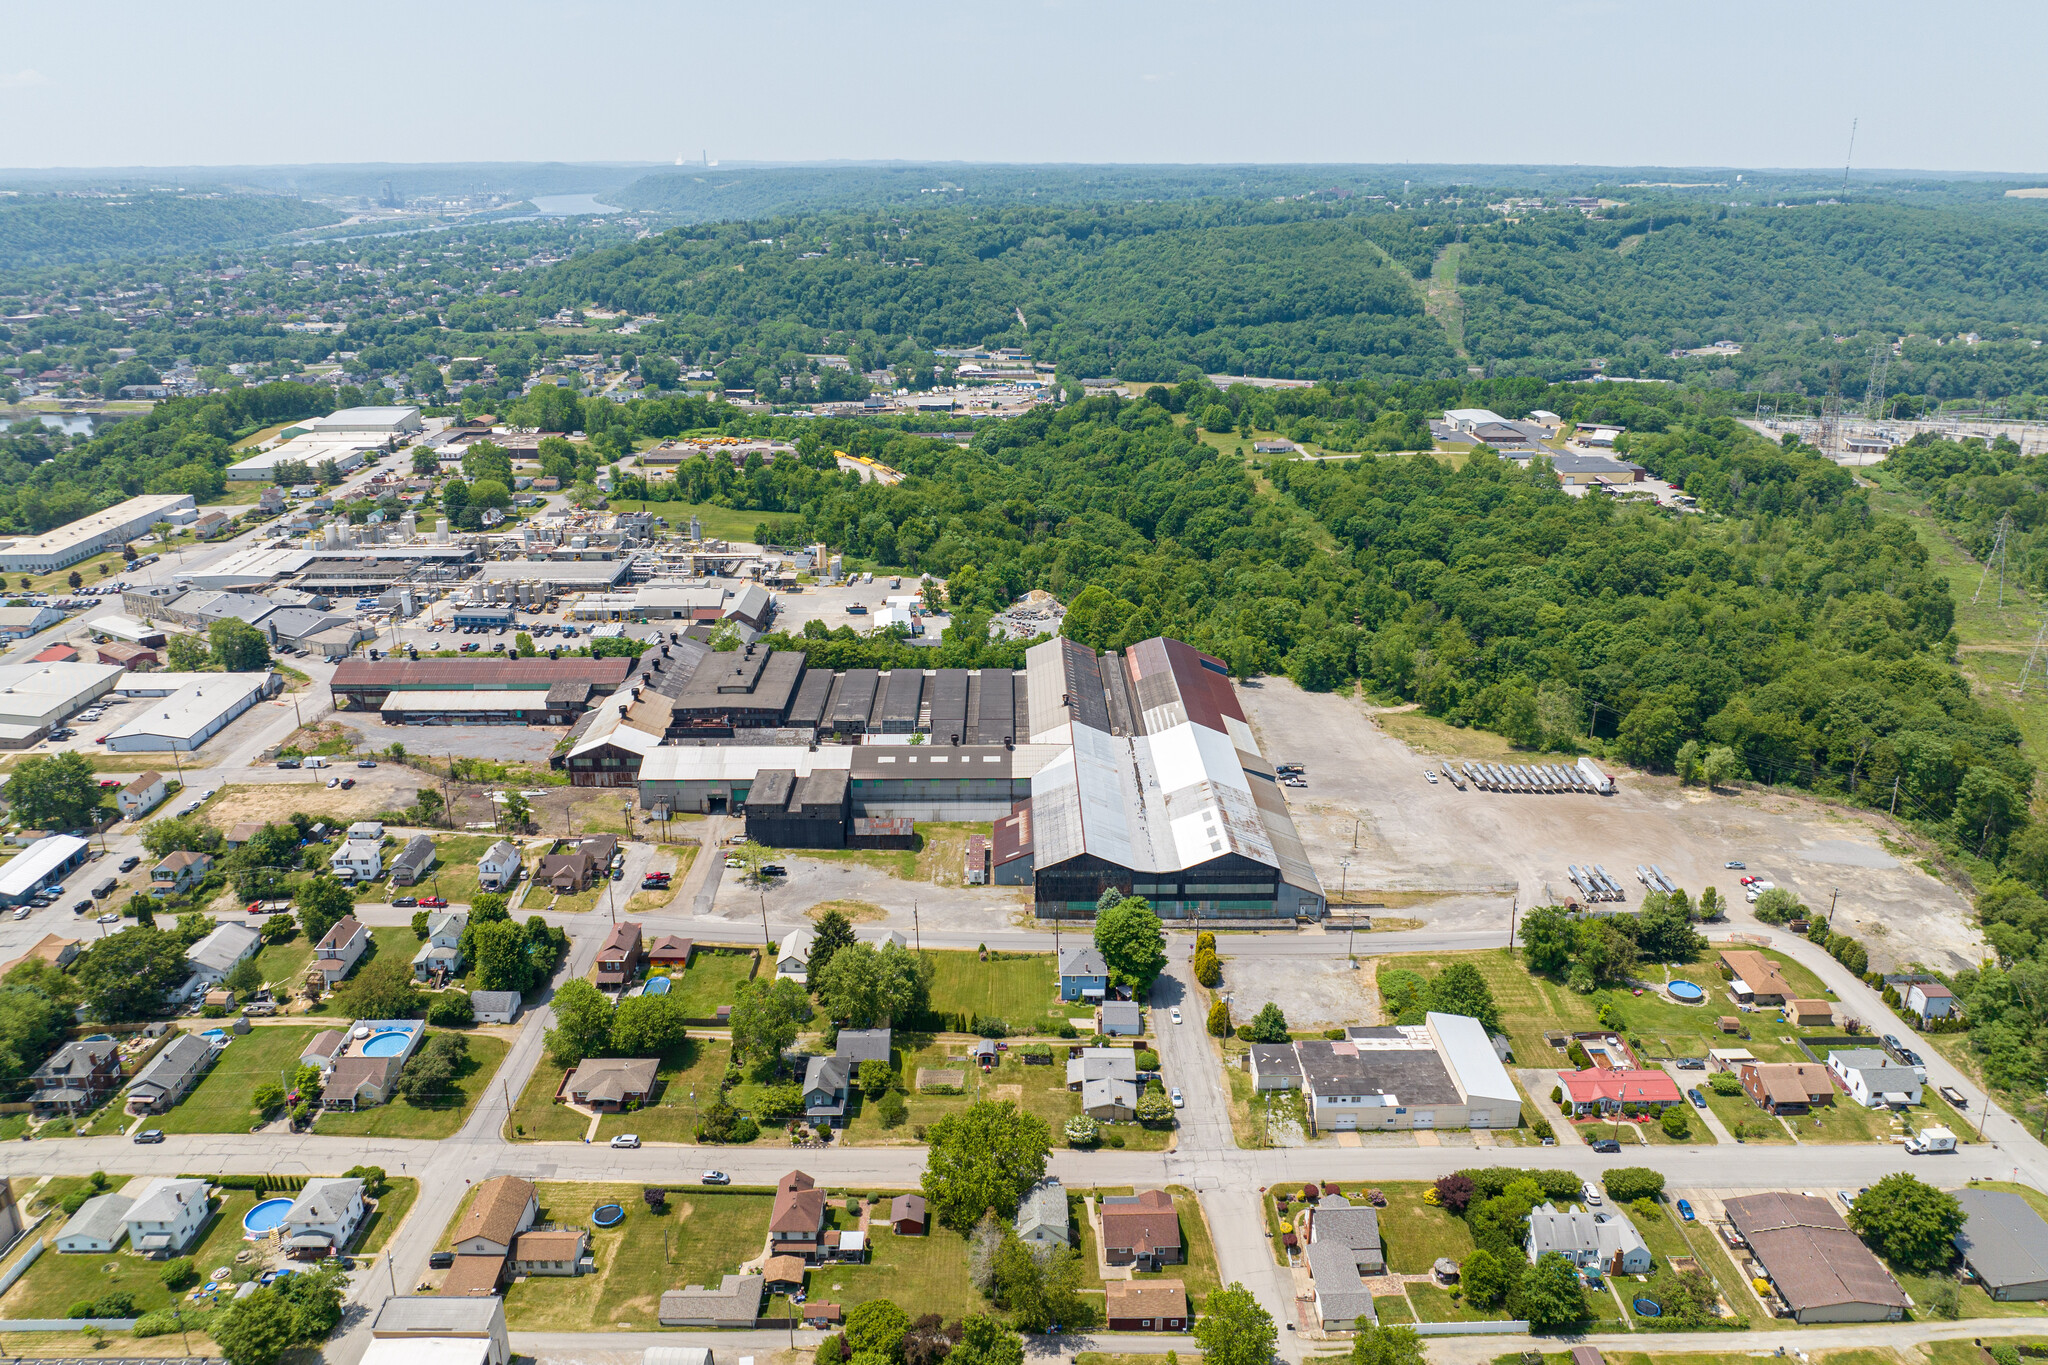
{"points": [[516, 810], [1548, 934], [1626, 1184], [429, 1076], [1390, 1345], [170, 835], [1549, 1295], [647, 1026], [489, 493], [1777, 906], [498, 950], [1154, 1110], [1675, 1122], [1460, 989], [1131, 941], [268, 1097], [1208, 968], [1486, 1278], [186, 654], [1219, 1020], [451, 1009], [244, 978], [322, 901], [238, 646], [1664, 931], [583, 1023], [381, 989], [1908, 1222], [868, 987], [1040, 1286], [131, 975], [58, 792], [426, 462], [981, 1158], [178, 1275], [834, 931], [984, 1340], [1234, 1330], [1453, 1191], [257, 1330], [523, 643], [1269, 1025], [874, 1077], [878, 1326], [766, 1016]]}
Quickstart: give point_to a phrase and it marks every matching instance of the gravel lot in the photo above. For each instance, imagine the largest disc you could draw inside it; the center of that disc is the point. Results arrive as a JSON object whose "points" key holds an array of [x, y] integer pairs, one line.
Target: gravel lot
{"points": [[1412, 837], [1313, 992], [812, 880]]}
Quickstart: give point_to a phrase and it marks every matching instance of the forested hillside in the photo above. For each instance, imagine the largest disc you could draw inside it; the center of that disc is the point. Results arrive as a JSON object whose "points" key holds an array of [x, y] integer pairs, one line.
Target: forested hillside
{"points": [[48, 231]]}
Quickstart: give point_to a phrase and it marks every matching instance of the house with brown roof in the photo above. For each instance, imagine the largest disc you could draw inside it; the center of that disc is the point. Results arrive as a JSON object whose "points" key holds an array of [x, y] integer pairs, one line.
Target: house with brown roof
{"points": [[339, 949], [618, 957], [323, 1049], [796, 1223], [125, 655], [551, 1251], [784, 1274], [1147, 1305], [473, 1277], [241, 832], [1787, 1087], [1141, 1229], [54, 949], [670, 951], [1818, 1266], [1810, 1013], [179, 872], [565, 873], [359, 1082], [608, 1084], [1757, 979], [907, 1216], [141, 795], [501, 1209]]}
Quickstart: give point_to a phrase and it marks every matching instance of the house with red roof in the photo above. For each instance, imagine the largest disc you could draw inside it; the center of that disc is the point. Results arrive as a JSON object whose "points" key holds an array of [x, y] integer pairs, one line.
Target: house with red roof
{"points": [[1600, 1091]]}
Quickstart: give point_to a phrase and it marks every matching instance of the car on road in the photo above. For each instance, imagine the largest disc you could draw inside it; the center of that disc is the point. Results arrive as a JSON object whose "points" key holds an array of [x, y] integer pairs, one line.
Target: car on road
{"points": [[25, 911], [81, 907], [1591, 1192], [109, 918], [433, 903], [1176, 1014], [405, 902], [1699, 1101], [130, 863], [149, 1136], [714, 1178], [626, 1140], [1848, 1199], [1735, 863], [1607, 1145], [1685, 1209], [287, 763], [1177, 1101]]}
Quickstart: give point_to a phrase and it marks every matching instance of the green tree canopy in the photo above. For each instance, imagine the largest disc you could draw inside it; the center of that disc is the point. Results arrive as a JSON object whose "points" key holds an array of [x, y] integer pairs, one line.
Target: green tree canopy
{"points": [[1131, 940], [1908, 1222], [130, 975], [766, 1016], [1234, 1329], [583, 1023], [57, 792], [980, 1158]]}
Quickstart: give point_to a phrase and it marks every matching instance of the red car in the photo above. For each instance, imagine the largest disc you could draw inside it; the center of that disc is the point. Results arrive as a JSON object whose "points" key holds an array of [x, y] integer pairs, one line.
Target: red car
{"points": [[256, 907], [433, 903]]}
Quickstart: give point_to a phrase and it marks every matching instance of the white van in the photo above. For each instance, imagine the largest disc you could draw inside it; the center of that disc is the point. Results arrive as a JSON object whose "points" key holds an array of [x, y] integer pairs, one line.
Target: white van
{"points": [[315, 762]]}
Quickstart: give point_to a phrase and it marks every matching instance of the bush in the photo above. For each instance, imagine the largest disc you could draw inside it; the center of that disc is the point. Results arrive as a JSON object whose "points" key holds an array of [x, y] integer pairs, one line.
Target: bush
{"points": [[1065, 1029], [1116, 1140], [179, 1274], [1557, 1094], [990, 1027], [892, 1111], [1944, 1302], [1219, 1020], [1206, 939], [1209, 969], [1627, 1184], [1453, 1191], [1148, 1060], [451, 1009], [1576, 1054], [1676, 1123], [1083, 1131], [1542, 1129], [1724, 1083]]}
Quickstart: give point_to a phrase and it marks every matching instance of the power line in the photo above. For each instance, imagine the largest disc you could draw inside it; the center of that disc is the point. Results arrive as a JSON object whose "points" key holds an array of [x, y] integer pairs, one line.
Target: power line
{"points": [[1997, 553]]}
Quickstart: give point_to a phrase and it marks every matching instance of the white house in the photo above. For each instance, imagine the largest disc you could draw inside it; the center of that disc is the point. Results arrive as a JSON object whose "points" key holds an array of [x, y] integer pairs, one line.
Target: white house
{"points": [[1930, 1000], [325, 1216], [141, 795], [168, 1217], [495, 1007], [230, 944], [339, 949], [442, 952], [498, 869], [99, 1224], [1872, 1079], [793, 957], [358, 860], [1607, 1242]]}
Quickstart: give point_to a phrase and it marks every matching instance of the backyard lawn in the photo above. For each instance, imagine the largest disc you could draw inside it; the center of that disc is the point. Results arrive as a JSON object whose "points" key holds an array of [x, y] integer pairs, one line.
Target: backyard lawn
{"points": [[284, 964], [714, 979], [928, 1271], [384, 1220], [454, 875], [57, 1280], [686, 1084], [1757, 1126], [704, 1234], [220, 1102], [1021, 988], [403, 1118], [1416, 1234]]}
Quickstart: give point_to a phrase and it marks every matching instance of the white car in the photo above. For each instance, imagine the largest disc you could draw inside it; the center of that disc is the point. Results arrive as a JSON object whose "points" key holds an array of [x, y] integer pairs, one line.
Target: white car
{"points": [[1592, 1194], [110, 918], [1431, 775], [626, 1140], [1177, 1100], [1176, 1015]]}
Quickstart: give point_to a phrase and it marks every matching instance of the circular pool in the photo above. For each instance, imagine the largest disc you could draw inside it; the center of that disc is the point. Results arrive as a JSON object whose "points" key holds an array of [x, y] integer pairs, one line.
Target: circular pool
{"points": [[606, 1215], [387, 1044], [1684, 992], [657, 986], [265, 1217]]}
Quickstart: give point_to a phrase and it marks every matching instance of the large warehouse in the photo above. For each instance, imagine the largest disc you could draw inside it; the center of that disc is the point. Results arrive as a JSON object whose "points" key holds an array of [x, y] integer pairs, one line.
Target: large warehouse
{"points": [[542, 691], [87, 536], [193, 714], [35, 697]]}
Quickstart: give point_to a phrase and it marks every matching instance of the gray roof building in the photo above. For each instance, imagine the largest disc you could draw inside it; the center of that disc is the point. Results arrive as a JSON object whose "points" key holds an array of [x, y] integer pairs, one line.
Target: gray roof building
{"points": [[857, 1045], [99, 1225], [1604, 1241], [1083, 962], [735, 1303], [1042, 1215], [1342, 1300], [2004, 1243], [1357, 1229], [1102, 1064], [505, 1003], [1122, 1017], [825, 1084], [173, 1071]]}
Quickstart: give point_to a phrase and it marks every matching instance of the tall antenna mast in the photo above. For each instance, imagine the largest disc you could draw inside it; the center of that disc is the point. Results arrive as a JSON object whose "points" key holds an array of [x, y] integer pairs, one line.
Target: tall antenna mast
{"points": [[2033, 656], [1873, 393], [1849, 158]]}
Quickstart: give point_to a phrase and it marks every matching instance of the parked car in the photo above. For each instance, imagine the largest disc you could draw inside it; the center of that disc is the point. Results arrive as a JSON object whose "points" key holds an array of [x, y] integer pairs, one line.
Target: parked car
{"points": [[1607, 1145], [405, 901], [25, 911], [150, 1136], [441, 1260], [287, 763], [366, 763], [81, 907], [1176, 1014], [1685, 1209], [714, 1178], [1591, 1193], [347, 782], [1177, 1102], [1692, 1064], [433, 903], [774, 870], [626, 1140], [1735, 863], [1699, 1101], [1848, 1199], [109, 918]]}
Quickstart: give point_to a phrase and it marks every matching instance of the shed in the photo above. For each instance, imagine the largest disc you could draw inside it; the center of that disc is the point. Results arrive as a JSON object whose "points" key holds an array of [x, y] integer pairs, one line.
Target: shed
{"points": [[907, 1217]]}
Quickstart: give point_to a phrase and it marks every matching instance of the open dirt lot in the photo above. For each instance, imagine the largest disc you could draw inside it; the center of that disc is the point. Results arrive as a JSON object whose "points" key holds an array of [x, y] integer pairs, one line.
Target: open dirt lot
{"points": [[1313, 992], [274, 800], [811, 880], [1485, 848]]}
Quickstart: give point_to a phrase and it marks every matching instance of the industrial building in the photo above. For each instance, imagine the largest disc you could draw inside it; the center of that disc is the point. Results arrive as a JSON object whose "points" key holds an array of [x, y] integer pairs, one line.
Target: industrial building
{"points": [[87, 536], [748, 688], [43, 863], [1441, 1073], [381, 422], [785, 811], [348, 456], [194, 713], [35, 697], [529, 691]]}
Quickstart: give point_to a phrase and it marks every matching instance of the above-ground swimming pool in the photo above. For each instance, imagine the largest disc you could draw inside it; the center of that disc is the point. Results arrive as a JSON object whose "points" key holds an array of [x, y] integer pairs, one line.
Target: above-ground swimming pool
{"points": [[1684, 992], [385, 1045], [656, 986], [218, 1035], [265, 1217]]}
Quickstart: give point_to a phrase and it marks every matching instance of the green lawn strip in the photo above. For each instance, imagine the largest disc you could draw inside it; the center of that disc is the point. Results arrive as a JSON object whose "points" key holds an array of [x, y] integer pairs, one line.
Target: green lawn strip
{"points": [[1392, 1308], [1976, 1303], [1020, 988], [1843, 1121], [285, 964], [1084, 1234], [220, 1102], [57, 1280], [928, 1271], [1199, 1272], [1434, 1303], [1934, 1109], [537, 1118], [685, 1085], [434, 1119], [1415, 1233], [384, 1220], [713, 979], [1734, 1109]]}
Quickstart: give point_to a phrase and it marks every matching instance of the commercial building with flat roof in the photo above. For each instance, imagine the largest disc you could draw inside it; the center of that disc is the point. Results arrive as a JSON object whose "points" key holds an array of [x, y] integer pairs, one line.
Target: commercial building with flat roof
{"points": [[35, 697], [1442, 1073], [366, 684], [87, 536], [374, 421], [193, 714], [347, 455], [2004, 1243], [43, 863]]}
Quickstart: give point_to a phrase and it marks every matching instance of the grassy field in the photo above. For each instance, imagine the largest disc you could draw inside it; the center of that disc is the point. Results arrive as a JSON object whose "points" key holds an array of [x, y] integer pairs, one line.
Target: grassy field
{"points": [[1416, 1234], [687, 1084], [1734, 1109], [719, 523], [454, 874], [704, 1234], [1020, 988], [220, 1102], [938, 857], [404, 1118], [714, 978], [56, 1280], [285, 963], [537, 1118], [1428, 735], [390, 1212]]}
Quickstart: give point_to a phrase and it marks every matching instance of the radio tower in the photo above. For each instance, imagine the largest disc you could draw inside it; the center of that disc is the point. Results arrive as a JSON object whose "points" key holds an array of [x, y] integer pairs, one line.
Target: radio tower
{"points": [[1850, 157], [1873, 393], [1998, 554]]}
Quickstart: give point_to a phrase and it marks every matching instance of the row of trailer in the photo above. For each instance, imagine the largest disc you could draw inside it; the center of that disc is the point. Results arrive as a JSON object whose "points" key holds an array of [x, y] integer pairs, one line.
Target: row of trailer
{"points": [[1519, 777], [1594, 884]]}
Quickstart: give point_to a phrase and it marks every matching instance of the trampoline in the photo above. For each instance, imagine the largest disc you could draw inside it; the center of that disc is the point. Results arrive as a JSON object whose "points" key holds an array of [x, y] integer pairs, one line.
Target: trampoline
{"points": [[656, 986], [1684, 992], [607, 1215], [388, 1044], [265, 1217]]}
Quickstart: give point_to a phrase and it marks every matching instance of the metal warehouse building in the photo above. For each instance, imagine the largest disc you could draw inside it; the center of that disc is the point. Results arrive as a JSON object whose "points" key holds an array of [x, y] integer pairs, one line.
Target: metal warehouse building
{"points": [[87, 536], [193, 714], [552, 691]]}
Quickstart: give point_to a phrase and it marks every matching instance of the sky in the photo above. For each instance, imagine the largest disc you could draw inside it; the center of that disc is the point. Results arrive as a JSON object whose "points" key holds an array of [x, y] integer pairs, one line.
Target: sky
{"points": [[1597, 82]]}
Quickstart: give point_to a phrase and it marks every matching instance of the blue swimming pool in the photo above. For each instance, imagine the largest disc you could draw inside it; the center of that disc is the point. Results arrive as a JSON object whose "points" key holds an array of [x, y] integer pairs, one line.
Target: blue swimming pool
{"points": [[658, 986], [265, 1217], [1685, 992], [216, 1035], [388, 1044]]}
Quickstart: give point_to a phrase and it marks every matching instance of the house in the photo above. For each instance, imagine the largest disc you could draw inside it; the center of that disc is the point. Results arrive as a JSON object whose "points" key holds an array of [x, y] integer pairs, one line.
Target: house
{"points": [[2004, 1243], [1101, 1063], [822, 1316], [1357, 1228], [857, 1045], [227, 946], [323, 1049], [551, 1251], [1605, 1092], [358, 859], [412, 1326], [1818, 1266], [325, 1216], [1810, 1013], [1787, 1087], [75, 1078], [1141, 1229], [170, 1075], [735, 1303], [121, 653], [825, 1089], [796, 1221], [1755, 979], [1122, 1019], [1083, 974], [241, 832], [609, 1084], [179, 872], [1273, 1066], [576, 869], [784, 1274], [1607, 1242], [168, 1217], [618, 957], [495, 1007], [1147, 1305], [441, 954], [339, 949], [498, 869], [413, 861], [1042, 1215], [141, 795], [1872, 1079], [1729, 1058], [793, 955], [907, 1217], [1343, 1303], [669, 951], [359, 1082], [1930, 1000], [1109, 1100], [501, 1209], [99, 1225], [474, 1277]]}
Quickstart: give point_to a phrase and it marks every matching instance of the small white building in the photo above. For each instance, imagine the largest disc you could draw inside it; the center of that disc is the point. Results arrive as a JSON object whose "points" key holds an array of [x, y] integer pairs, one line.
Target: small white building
{"points": [[325, 1216], [793, 956], [141, 795], [358, 860], [1607, 1242], [1872, 1079], [99, 1224], [498, 869], [193, 714], [168, 1217], [228, 946]]}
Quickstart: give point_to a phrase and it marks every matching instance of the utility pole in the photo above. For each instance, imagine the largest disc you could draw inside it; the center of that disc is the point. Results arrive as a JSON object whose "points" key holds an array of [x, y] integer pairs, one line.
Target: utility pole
{"points": [[765, 939], [1895, 794], [916, 927], [1514, 907]]}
